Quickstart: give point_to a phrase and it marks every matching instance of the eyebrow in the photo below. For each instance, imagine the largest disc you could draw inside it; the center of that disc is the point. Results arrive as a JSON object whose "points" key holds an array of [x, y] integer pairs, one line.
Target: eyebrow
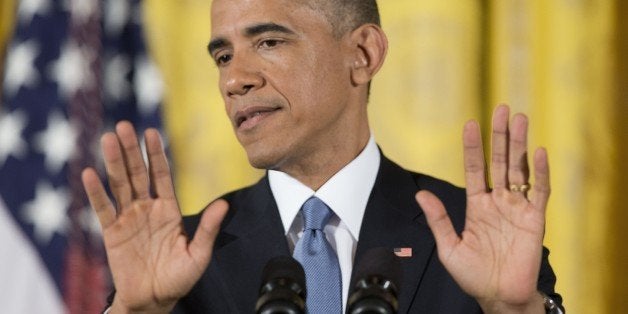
{"points": [[266, 28], [216, 44], [250, 31]]}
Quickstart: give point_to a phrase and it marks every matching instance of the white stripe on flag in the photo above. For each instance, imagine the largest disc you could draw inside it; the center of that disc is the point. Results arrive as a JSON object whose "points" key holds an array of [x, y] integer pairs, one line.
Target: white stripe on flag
{"points": [[25, 285]]}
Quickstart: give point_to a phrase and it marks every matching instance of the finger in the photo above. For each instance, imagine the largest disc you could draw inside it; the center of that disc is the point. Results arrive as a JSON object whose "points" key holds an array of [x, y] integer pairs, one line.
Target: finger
{"points": [[439, 222], [116, 170], [160, 176], [203, 243], [499, 147], [518, 169], [541, 190], [474, 163], [136, 168], [98, 198]]}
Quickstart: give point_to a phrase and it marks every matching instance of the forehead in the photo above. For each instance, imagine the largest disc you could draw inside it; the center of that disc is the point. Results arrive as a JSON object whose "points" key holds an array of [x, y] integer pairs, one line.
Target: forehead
{"points": [[232, 16]]}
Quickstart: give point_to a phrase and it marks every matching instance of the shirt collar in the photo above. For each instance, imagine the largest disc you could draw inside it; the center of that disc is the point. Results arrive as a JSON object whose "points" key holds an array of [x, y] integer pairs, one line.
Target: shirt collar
{"points": [[346, 193]]}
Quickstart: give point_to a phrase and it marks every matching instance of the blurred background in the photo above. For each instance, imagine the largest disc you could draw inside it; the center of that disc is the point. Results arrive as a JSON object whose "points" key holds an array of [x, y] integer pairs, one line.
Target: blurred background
{"points": [[74, 67]]}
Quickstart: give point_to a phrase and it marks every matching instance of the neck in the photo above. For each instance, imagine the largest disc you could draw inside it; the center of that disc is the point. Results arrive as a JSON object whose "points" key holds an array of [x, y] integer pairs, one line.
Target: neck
{"points": [[323, 164]]}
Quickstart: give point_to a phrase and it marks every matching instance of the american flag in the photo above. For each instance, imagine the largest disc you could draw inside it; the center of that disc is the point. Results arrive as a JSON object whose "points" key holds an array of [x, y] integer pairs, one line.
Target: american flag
{"points": [[403, 251], [73, 68]]}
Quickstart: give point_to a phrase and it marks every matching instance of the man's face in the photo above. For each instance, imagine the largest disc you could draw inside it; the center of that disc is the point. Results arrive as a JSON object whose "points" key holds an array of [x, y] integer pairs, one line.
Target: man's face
{"points": [[284, 77]]}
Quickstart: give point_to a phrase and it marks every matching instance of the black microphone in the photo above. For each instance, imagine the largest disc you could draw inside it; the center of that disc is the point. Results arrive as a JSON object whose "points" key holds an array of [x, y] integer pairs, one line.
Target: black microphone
{"points": [[377, 276], [283, 287]]}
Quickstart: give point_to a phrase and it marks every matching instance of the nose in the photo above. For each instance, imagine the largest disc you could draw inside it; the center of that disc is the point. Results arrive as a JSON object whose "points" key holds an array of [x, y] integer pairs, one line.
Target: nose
{"points": [[241, 76]]}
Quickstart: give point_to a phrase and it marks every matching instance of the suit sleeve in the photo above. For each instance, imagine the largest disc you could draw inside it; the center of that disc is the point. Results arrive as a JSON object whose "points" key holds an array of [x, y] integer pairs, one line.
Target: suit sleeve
{"points": [[547, 280]]}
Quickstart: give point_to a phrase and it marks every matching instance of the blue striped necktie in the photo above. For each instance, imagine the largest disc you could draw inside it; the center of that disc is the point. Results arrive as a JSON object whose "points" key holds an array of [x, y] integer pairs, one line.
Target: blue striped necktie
{"points": [[322, 271]]}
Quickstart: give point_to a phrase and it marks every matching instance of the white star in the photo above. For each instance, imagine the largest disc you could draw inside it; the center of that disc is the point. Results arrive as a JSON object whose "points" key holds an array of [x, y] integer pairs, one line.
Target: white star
{"points": [[48, 212], [81, 10], [89, 221], [148, 85], [116, 85], [11, 142], [72, 69], [57, 142], [29, 8], [116, 16], [21, 69]]}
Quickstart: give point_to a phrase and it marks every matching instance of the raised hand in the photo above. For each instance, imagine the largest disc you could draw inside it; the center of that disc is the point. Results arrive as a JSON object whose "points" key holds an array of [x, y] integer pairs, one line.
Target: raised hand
{"points": [[152, 262], [497, 257]]}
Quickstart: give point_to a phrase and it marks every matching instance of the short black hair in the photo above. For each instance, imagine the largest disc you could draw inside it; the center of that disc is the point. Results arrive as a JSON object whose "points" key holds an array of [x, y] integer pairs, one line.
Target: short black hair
{"points": [[347, 15]]}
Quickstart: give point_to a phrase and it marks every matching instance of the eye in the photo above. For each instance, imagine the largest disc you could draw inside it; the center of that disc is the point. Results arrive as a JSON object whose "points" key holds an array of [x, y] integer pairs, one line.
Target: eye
{"points": [[270, 43], [223, 59]]}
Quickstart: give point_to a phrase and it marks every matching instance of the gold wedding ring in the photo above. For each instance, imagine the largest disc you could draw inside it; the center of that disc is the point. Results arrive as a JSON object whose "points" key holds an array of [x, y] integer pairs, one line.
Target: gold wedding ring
{"points": [[519, 188]]}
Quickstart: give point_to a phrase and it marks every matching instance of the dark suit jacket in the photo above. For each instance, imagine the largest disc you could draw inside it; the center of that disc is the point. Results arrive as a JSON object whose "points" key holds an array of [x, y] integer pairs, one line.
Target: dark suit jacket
{"points": [[252, 233]]}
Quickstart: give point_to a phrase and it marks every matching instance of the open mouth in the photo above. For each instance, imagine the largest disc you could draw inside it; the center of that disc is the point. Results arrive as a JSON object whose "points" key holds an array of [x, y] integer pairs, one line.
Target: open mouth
{"points": [[250, 116]]}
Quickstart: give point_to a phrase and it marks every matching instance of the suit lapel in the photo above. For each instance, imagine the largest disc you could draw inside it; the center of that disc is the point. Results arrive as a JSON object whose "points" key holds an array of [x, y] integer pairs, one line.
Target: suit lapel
{"points": [[252, 237], [393, 219]]}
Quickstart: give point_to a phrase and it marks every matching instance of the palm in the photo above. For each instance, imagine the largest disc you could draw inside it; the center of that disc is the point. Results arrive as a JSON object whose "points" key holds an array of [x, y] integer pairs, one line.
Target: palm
{"points": [[502, 239], [148, 255], [152, 262], [501, 245]]}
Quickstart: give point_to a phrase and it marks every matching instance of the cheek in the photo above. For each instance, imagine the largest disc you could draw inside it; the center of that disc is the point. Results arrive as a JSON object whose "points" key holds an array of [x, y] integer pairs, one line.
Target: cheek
{"points": [[331, 75], [316, 83], [310, 83]]}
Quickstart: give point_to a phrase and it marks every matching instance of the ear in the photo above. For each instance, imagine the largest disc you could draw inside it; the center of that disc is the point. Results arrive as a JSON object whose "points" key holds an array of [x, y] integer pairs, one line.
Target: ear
{"points": [[369, 45]]}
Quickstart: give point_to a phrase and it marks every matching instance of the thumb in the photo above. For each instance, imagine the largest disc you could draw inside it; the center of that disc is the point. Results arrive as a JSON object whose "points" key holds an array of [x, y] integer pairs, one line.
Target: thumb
{"points": [[202, 245], [438, 220]]}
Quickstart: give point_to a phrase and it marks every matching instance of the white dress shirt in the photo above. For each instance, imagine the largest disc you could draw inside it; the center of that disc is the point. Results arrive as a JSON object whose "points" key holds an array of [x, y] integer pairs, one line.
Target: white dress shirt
{"points": [[346, 194]]}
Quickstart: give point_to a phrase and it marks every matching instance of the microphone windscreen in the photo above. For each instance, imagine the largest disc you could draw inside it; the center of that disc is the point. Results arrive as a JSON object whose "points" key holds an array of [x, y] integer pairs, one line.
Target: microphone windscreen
{"points": [[283, 287], [381, 262], [284, 267]]}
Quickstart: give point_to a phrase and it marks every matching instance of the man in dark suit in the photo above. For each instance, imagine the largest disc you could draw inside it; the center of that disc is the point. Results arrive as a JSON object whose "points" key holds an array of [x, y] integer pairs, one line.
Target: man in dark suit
{"points": [[295, 75]]}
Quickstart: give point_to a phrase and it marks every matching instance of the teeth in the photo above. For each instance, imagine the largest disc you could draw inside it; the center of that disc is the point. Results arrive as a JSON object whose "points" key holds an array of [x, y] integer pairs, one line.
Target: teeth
{"points": [[256, 114]]}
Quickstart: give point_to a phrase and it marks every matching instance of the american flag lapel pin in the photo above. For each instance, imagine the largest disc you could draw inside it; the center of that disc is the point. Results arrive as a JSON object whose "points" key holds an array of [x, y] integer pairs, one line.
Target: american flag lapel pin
{"points": [[403, 251]]}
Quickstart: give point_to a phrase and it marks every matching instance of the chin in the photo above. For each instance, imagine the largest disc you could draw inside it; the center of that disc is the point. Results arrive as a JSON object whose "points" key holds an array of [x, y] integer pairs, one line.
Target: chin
{"points": [[261, 160], [267, 154]]}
